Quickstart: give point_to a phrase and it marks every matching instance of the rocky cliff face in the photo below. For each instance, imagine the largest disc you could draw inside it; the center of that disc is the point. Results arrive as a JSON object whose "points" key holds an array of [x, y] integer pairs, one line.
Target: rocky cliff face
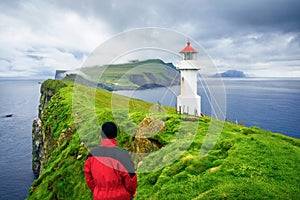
{"points": [[37, 145], [39, 134]]}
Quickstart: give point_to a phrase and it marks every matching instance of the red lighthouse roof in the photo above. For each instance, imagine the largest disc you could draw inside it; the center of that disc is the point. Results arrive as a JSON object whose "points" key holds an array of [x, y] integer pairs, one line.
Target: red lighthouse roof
{"points": [[188, 48]]}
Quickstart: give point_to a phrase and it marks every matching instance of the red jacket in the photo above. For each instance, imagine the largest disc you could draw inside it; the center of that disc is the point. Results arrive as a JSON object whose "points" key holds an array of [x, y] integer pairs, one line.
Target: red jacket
{"points": [[110, 173]]}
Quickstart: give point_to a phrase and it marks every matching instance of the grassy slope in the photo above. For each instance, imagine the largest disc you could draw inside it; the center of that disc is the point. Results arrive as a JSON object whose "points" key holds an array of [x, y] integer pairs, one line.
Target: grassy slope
{"points": [[245, 163], [122, 75]]}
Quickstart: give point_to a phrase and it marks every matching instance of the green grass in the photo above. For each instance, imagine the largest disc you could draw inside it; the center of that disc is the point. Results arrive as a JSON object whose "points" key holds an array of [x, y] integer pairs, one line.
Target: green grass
{"points": [[130, 75], [245, 163]]}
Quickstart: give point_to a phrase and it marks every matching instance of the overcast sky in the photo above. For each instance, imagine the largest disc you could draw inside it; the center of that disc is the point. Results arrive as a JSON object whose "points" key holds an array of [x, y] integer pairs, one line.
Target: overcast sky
{"points": [[259, 37]]}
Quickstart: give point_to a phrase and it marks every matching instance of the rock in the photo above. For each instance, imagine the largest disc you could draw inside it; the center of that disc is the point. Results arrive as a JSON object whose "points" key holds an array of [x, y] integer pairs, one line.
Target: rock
{"points": [[37, 145], [65, 135], [143, 144], [79, 157]]}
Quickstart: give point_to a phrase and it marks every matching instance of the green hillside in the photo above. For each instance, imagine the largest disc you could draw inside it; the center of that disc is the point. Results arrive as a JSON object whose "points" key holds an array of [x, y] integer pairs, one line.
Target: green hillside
{"points": [[133, 75], [245, 163]]}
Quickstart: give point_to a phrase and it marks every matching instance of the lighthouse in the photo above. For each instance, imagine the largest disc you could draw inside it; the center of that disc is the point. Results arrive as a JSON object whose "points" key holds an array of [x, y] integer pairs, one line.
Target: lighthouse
{"points": [[188, 102]]}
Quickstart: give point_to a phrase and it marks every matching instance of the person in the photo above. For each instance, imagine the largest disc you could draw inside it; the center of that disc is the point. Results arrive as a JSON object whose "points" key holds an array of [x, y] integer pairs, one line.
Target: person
{"points": [[109, 170]]}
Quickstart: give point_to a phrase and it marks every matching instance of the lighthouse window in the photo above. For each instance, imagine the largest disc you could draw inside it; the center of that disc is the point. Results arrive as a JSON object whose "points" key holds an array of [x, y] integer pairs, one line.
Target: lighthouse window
{"points": [[188, 56]]}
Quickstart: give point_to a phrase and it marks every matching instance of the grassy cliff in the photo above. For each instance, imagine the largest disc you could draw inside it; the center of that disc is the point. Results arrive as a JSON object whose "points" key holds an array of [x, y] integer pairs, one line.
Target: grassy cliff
{"points": [[245, 163], [134, 75]]}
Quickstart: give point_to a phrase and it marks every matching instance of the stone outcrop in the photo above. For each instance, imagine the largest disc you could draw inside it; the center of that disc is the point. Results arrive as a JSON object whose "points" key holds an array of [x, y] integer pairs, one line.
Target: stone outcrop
{"points": [[37, 145], [144, 142]]}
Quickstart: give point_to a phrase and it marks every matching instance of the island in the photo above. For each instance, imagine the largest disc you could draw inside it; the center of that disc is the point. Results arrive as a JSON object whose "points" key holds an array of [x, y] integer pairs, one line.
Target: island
{"points": [[231, 74]]}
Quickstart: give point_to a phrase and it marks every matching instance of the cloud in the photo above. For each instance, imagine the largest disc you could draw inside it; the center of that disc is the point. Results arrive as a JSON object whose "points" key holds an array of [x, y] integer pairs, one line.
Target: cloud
{"points": [[37, 37], [256, 51]]}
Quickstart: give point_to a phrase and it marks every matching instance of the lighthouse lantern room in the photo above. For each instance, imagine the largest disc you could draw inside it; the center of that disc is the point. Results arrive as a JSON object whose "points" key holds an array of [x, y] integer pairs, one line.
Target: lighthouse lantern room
{"points": [[188, 102]]}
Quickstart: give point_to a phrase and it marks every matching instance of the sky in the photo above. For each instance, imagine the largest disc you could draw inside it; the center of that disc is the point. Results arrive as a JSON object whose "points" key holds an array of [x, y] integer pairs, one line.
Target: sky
{"points": [[259, 37]]}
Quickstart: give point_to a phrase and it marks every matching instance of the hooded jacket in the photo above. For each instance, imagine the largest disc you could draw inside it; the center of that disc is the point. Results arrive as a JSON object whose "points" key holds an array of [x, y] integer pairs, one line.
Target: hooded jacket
{"points": [[109, 172]]}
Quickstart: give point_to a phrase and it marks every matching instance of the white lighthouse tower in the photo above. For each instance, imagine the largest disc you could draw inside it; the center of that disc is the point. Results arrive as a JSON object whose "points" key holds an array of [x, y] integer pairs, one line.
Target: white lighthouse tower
{"points": [[188, 102]]}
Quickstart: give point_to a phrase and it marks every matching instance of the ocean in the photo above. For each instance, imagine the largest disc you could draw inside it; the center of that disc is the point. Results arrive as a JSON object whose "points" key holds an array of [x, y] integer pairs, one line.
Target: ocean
{"points": [[19, 98], [269, 103], [272, 104]]}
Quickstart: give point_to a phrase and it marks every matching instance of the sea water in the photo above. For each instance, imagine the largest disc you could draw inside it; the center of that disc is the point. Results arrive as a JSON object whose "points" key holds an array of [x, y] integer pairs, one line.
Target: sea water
{"points": [[271, 104], [19, 98]]}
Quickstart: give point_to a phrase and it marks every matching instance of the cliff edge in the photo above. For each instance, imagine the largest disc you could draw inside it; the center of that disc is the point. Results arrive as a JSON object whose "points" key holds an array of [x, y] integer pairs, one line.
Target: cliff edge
{"points": [[39, 135], [245, 162]]}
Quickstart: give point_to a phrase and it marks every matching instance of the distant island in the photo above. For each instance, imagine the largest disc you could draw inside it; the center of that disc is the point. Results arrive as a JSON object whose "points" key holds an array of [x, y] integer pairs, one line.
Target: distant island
{"points": [[231, 74]]}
